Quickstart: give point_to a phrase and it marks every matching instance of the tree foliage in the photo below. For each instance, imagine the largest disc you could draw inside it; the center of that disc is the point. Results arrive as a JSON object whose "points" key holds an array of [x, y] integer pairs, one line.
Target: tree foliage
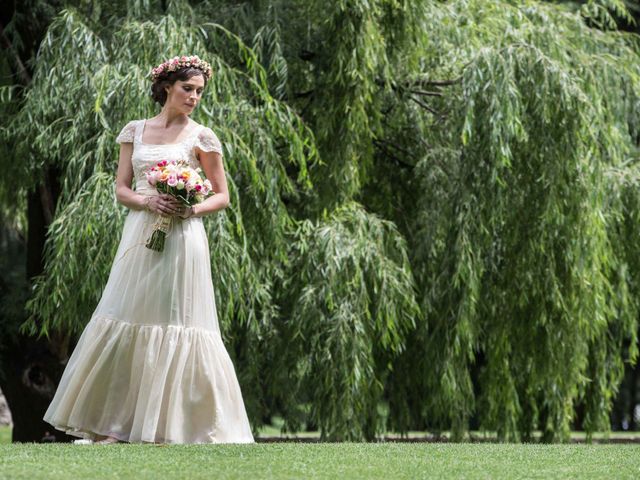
{"points": [[524, 277], [434, 205]]}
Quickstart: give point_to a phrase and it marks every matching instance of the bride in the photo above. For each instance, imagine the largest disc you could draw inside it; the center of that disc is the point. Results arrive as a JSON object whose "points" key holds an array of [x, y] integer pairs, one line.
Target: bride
{"points": [[150, 365]]}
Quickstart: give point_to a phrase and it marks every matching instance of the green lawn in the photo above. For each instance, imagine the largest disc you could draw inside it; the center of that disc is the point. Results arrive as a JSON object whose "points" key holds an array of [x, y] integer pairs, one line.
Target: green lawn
{"points": [[273, 431], [344, 461], [319, 460]]}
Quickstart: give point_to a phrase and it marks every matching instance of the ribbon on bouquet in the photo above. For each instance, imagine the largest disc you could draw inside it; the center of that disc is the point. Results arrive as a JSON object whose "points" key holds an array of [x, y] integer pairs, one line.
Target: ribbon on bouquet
{"points": [[161, 229], [137, 244], [161, 223]]}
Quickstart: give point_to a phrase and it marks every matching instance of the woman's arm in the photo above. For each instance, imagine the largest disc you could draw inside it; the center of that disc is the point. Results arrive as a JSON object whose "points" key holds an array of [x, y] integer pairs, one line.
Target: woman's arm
{"points": [[124, 194], [214, 170], [163, 204]]}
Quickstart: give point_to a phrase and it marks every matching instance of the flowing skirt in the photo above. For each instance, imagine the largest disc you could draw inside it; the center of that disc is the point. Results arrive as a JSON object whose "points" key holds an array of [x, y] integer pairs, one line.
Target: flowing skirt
{"points": [[150, 365]]}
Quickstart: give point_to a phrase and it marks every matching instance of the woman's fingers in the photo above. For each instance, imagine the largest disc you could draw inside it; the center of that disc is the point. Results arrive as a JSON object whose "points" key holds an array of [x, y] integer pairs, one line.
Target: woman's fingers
{"points": [[165, 203], [171, 200]]}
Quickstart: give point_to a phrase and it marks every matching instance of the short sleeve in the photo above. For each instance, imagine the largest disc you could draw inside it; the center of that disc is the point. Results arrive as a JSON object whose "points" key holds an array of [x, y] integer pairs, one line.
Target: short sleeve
{"points": [[127, 133], [208, 141]]}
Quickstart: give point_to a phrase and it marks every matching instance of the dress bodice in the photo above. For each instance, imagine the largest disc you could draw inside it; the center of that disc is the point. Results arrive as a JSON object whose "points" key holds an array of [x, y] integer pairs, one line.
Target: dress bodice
{"points": [[146, 155]]}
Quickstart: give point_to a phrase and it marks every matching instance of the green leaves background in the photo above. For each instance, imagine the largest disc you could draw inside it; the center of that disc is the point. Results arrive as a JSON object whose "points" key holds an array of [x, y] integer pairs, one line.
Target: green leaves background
{"points": [[433, 211]]}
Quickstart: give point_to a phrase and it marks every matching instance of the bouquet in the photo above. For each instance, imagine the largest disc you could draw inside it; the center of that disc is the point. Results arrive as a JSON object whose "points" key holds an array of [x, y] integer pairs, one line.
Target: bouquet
{"points": [[181, 181]]}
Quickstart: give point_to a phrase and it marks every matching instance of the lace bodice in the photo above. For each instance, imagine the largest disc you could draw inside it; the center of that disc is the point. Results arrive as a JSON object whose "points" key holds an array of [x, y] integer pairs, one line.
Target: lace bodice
{"points": [[146, 155]]}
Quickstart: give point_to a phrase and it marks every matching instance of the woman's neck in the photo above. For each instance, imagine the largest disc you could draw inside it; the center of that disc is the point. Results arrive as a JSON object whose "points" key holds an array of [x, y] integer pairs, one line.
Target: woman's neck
{"points": [[169, 117]]}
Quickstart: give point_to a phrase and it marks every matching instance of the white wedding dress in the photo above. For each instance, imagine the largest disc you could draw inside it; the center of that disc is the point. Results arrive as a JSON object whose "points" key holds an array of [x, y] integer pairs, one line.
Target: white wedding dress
{"points": [[150, 365]]}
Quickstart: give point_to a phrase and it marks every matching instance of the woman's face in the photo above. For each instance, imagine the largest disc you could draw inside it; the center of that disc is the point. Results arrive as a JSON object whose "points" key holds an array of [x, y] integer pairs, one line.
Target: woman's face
{"points": [[184, 95]]}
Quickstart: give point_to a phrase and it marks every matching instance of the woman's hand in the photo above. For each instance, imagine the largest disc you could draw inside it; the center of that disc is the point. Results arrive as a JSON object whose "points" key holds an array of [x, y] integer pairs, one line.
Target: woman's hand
{"points": [[186, 212], [166, 205]]}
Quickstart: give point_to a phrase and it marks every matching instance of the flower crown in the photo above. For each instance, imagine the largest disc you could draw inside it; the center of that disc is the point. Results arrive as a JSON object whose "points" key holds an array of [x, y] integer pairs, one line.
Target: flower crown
{"points": [[177, 63]]}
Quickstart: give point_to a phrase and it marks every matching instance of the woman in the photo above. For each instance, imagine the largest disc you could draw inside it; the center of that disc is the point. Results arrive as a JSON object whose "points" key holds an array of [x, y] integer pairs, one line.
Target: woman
{"points": [[150, 365]]}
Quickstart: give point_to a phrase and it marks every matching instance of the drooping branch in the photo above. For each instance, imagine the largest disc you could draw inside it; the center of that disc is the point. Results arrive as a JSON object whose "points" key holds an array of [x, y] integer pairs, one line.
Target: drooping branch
{"points": [[384, 147], [44, 189], [427, 107], [426, 93]]}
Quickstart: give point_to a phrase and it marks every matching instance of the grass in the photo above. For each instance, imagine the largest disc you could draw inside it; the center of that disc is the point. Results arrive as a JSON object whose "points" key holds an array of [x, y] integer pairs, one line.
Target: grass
{"points": [[273, 432], [5, 435], [319, 460]]}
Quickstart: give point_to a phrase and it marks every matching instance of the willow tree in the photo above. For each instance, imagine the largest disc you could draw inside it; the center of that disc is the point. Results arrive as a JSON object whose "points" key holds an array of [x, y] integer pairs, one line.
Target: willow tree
{"points": [[434, 204], [522, 235], [68, 118]]}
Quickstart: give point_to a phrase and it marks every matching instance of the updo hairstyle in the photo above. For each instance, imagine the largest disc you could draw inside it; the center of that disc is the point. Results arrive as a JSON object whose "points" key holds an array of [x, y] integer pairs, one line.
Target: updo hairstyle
{"points": [[165, 79]]}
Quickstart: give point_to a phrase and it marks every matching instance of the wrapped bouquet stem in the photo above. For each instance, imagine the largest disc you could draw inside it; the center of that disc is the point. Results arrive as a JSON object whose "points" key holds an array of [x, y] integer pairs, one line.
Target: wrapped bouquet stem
{"points": [[160, 230], [182, 182]]}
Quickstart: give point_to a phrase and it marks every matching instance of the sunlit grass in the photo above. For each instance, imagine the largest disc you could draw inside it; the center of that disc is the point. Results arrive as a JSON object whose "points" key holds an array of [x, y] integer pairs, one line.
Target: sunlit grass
{"points": [[323, 460]]}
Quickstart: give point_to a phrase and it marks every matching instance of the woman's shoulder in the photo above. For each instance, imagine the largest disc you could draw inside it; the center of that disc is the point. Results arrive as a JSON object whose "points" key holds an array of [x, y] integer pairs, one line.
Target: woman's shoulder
{"points": [[128, 132], [207, 140], [132, 124], [197, 127], [203, 131]]}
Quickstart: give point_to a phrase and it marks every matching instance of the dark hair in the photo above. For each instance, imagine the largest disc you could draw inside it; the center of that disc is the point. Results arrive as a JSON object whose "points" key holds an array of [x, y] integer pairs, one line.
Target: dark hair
{"points": [[158, 92]]}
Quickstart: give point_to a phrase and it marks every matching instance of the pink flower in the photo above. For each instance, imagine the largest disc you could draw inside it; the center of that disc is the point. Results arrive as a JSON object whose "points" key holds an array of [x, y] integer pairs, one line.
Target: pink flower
{"points": [[150, 178], [173, 180], [198, 187]]}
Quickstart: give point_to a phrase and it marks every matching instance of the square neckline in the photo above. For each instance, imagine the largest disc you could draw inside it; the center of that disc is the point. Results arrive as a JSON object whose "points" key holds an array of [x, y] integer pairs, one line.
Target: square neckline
{"points": [[144, 124]]}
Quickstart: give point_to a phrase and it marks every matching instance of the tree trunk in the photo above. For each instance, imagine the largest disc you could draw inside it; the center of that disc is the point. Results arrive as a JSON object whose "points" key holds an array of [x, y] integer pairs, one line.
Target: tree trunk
{"points": [[31, 374], [634, 375], [32, 367]]}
